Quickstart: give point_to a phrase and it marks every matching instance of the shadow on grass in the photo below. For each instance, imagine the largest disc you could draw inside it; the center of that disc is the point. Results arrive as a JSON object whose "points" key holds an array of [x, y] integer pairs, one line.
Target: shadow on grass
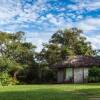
{"points": [[91, 92], [41, 94]]}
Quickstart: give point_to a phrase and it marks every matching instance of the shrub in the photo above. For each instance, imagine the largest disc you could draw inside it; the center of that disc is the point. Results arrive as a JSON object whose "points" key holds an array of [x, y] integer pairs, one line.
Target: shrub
{"points": [[94, 74], [48, 76], [4, 79]]}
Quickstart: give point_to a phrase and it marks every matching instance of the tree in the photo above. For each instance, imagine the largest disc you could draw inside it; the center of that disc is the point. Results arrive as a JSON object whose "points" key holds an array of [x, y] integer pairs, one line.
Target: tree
{"points": [[66, 43], [16, 54]]}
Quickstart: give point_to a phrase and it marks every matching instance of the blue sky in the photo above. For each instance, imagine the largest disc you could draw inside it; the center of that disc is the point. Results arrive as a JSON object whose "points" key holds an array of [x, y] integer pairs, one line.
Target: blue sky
{"points": [[41, 18]]}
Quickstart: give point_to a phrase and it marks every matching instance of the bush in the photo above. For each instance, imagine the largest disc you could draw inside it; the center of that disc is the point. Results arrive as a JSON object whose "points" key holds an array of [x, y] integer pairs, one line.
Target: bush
{"points": [[48, 76], [4, 79], [37, 76], [94, 74]]}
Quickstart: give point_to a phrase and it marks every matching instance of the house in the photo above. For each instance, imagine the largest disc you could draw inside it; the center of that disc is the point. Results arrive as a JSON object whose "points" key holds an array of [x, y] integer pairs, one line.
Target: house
{"points": [[75, 69]]}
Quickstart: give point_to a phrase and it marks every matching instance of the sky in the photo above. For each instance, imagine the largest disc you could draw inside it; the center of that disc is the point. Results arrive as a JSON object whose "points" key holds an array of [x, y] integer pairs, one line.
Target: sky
{"points": [[39, 19]]}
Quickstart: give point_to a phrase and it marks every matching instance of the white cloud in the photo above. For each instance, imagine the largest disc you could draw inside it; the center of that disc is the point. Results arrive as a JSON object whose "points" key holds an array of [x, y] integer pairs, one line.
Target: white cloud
{"points": [[10, 9], [37, 39], [37, 42], [93, 6], [89, 5], [14, 17], [89, 24], [95, 41]]}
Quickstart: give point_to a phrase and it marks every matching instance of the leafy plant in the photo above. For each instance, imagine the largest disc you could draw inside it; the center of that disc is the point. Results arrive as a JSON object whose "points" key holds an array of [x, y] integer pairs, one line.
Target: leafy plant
{"points": [[94, 74]]}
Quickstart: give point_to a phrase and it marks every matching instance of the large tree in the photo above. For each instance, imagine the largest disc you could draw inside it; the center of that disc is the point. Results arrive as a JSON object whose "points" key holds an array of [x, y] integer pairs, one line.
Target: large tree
{"points": [[66, 43], [15, 52]]}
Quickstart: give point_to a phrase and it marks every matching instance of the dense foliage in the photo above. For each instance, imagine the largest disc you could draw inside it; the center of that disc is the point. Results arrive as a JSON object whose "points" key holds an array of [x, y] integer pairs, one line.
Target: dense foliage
{"points": [[66, 43], [94, 74], [20, 63]]}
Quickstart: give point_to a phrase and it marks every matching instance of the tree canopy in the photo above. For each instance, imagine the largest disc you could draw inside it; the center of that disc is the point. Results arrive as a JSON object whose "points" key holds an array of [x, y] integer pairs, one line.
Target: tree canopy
{"points": [[65, 43], [19, 60], [15, 53]]}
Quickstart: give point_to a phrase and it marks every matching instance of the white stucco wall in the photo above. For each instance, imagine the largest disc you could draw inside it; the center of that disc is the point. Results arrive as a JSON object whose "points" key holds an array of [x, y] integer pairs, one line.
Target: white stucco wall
{"points": [[78, 75], [86, 72]]}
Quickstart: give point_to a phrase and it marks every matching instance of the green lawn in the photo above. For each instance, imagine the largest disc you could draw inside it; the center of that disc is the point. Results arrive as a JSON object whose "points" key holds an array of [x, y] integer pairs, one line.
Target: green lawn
{"points": [[51, 92]]}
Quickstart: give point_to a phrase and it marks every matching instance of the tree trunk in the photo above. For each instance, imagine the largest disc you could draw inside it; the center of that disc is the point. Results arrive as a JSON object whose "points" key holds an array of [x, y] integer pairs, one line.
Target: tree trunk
{"points": [[15, 74]]}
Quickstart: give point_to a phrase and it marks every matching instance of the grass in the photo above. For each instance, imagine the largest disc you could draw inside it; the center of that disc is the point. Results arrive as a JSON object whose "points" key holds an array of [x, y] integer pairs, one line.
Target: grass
{"points": [[51, 92]]}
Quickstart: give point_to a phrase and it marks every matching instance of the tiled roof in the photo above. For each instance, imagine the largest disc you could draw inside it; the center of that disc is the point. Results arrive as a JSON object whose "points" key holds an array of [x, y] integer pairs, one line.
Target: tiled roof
{"points": [[79, 61]]}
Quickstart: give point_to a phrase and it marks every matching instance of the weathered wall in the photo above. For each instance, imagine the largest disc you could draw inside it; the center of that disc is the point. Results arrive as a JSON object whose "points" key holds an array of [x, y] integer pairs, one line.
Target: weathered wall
{"points": [[78, 75], [68, 74], [86, 72], [60, 76]]}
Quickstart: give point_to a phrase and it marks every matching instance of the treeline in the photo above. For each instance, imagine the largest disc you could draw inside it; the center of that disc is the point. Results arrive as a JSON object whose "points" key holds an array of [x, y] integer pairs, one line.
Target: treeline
{"points": [[21, 64]]}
